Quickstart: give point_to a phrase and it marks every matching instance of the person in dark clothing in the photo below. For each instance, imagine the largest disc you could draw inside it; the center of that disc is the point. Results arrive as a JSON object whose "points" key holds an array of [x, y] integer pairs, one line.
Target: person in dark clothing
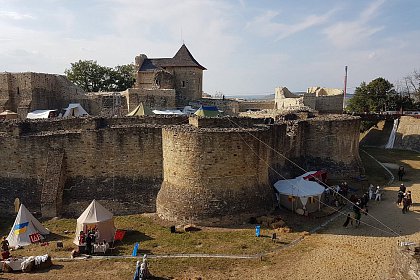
{"points": [[348, 220], [409, 200], [89, 247], [401, 173], [400, 197], [5, 244], [405, 204], [363, 203], [403, 188], [357, 213]]}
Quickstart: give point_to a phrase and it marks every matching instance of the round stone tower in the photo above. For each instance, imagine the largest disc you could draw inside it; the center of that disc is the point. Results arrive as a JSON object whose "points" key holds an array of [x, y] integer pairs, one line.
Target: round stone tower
{"points": [[214, 175]]}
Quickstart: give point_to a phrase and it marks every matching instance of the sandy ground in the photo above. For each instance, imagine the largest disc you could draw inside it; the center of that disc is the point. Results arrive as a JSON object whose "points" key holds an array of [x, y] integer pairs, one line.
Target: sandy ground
{"points": [[336, 252], [353, 253]]}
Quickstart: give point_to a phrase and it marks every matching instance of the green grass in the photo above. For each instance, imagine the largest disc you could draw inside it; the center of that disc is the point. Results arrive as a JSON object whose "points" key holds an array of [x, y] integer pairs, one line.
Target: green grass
{"points": [[157, 239]]}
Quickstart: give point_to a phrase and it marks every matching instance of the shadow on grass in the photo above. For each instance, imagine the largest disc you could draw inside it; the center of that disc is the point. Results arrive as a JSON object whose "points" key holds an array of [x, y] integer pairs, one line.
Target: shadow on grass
{"points": [[57, 237], [46, 270], [132, 236]]}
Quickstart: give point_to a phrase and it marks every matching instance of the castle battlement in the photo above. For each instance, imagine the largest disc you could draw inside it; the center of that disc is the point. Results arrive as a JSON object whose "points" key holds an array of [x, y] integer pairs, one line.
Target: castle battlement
{"points": [[204, 170]]}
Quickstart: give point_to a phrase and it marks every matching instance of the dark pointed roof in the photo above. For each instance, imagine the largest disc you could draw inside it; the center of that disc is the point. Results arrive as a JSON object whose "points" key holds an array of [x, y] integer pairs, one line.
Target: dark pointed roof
{"points": [[183, 58]]}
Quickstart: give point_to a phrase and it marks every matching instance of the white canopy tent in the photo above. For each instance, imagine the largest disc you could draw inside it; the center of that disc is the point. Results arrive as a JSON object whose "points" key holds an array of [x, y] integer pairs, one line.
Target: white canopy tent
{"points": [[299, 188], [75, 110], [96, 215], [25, 229], [168, 112], [40, 114]]}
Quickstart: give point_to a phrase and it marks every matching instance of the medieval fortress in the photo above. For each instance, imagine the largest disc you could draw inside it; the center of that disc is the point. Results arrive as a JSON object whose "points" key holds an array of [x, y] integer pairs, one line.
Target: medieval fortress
{"points": [[187, 169]]}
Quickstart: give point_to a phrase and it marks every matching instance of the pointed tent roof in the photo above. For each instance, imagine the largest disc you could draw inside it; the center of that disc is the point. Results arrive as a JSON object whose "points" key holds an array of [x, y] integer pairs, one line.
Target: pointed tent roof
{"points": [[183, 58], [25, 225], [140, 110], [94, 213], [75, 110], [207, 111]]}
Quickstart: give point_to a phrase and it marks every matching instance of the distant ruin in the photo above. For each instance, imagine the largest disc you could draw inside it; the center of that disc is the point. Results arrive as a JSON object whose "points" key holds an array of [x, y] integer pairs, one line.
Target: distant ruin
{"points": [[323, 100]]}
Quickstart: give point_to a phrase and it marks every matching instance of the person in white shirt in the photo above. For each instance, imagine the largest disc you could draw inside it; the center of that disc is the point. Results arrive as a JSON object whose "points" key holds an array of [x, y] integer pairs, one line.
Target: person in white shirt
{"points": [[378, 194]]}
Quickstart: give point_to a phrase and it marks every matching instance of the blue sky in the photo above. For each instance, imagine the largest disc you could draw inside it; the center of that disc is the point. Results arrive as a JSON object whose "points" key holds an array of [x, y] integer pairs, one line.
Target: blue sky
{"points": [[248, 47]]}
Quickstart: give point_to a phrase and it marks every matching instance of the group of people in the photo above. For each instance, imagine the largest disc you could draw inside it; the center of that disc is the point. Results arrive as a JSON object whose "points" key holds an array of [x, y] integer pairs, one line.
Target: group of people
{"points": [[5, 253], [360, 206], [404, 197], [336, 195], [142, 270], [86, 240], [375, 193]]}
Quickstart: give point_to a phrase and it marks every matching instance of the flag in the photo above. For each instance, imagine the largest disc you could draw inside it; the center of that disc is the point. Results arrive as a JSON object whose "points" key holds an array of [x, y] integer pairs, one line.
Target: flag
{"points": [[21, 228]]}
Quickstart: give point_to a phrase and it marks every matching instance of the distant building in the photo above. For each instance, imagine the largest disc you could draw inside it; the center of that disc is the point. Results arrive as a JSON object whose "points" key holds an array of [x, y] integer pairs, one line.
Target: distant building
{"points": [[323, 100], [167, 82]]}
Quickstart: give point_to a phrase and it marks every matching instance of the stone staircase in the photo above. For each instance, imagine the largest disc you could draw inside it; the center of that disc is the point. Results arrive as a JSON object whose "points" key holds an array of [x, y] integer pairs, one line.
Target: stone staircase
{"points": [[52, 189]]}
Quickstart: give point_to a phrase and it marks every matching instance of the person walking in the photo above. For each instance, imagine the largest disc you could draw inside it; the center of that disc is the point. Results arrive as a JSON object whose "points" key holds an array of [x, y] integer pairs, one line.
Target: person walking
{"points": [[405, 204], [401, 173], [403, 188], [371, 190], [409, 200], [348, 220], [357, 213], [137, 271], [400, 197], [378, 194]]}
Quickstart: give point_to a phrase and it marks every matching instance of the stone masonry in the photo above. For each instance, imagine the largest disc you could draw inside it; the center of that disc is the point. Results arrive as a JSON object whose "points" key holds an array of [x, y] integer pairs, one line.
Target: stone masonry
{"points": [[205, 170], [26, 92]]}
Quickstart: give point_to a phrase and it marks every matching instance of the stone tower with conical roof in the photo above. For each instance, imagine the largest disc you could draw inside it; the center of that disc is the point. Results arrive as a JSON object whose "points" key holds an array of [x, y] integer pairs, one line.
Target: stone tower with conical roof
{"points": [[181, 72]]}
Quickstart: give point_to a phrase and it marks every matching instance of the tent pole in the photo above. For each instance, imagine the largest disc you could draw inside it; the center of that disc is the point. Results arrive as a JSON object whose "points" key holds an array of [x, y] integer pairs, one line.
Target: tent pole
{"points": [[319, 203]]}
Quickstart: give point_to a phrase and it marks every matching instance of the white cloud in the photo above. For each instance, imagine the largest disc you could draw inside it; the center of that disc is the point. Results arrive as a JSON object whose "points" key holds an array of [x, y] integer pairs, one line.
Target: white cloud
{"points": [[15, 15], [347, 34], [267, 24]]}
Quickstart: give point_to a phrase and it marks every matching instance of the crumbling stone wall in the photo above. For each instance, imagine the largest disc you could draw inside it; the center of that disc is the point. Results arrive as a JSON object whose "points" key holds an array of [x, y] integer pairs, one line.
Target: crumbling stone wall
{"points": [[203, 168], [152, 98], [324, 100], [113, 160], [26, 92], [107, 104], [255, 105], [329, 104]]}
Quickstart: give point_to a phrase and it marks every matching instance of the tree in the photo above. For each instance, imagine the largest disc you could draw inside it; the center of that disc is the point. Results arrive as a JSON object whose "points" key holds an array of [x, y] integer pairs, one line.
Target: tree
{"points": [[378, 95], [92, 77], [409, 89]]}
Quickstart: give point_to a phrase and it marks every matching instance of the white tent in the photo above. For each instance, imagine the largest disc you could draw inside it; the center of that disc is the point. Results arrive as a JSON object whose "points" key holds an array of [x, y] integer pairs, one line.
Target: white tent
{"points": [[298, 188], [40, 114], [96, 215], [167, 112], [25, 229], [75, 110], [188, 110]]}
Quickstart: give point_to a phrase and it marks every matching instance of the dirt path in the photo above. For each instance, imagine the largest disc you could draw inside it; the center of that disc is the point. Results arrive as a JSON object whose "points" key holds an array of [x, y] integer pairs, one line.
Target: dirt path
{"points": [[354, 253]]}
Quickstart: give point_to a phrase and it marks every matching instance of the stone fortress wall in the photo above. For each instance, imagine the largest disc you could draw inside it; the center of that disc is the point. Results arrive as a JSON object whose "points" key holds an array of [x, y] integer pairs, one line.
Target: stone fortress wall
{"points": [[26, 92], [408, 134], [199, 169]]}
